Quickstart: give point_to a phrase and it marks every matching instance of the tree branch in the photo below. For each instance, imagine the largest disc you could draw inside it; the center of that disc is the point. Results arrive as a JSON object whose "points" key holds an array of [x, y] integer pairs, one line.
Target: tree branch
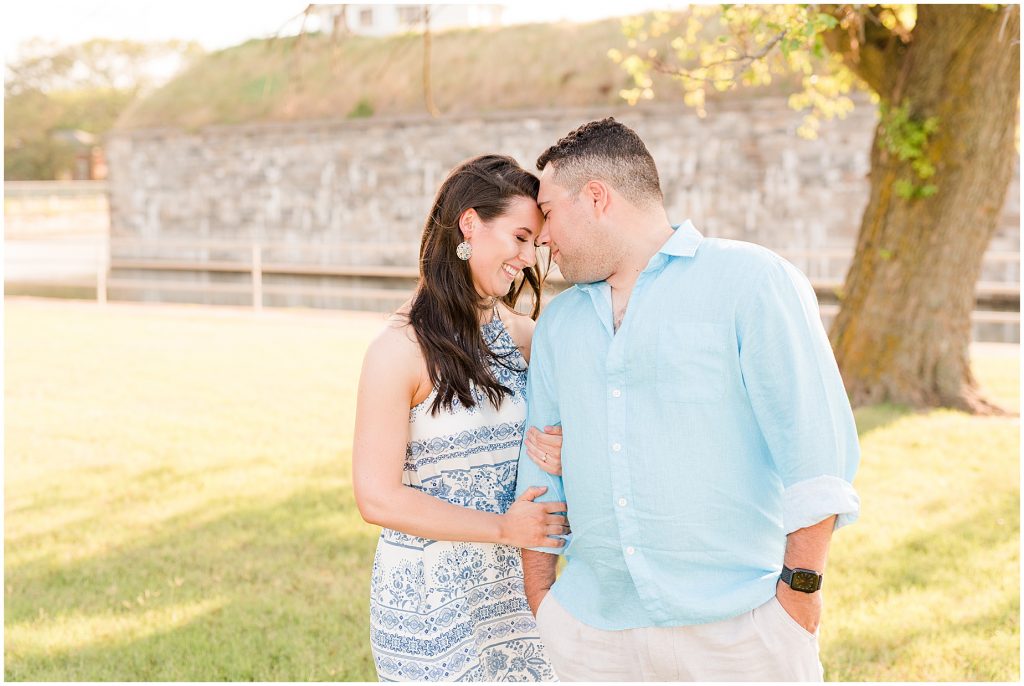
{"points": [[869, 49], [873, 52], [663, 67]]}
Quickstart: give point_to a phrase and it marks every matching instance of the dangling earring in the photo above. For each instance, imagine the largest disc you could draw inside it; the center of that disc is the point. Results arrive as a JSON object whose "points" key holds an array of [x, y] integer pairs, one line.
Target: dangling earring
{"points": [[464, 251]]}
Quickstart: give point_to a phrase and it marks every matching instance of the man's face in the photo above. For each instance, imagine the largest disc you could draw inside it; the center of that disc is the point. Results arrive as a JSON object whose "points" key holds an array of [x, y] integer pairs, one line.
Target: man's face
{"points": [[580, 246]]}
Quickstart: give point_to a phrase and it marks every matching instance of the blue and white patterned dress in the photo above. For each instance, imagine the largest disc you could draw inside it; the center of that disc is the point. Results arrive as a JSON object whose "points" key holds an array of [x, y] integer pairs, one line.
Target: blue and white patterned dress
{"points": [[454, 611]]}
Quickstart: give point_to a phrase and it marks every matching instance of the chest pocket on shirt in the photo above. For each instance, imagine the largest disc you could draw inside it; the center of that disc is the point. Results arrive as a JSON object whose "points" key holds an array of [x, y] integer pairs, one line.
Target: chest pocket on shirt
{"points": [[692, 361]]}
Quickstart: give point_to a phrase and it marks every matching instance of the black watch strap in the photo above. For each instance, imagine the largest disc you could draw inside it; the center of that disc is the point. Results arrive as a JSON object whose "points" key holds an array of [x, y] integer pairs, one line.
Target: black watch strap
{"points": [[803, 580]]}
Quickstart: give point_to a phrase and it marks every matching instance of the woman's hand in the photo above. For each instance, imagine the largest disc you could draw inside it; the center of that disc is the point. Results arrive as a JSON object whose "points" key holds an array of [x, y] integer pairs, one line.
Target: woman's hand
{"points": [[527, 524], [545, 449]]}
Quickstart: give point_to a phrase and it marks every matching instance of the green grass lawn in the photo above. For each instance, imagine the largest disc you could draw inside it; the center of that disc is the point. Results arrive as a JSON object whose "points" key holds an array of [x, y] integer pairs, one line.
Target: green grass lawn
{"points": [[178, 507]]}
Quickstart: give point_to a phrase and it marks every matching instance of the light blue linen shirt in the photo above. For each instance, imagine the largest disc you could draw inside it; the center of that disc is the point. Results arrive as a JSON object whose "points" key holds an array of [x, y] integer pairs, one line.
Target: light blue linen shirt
{"points": [[711, 425]]}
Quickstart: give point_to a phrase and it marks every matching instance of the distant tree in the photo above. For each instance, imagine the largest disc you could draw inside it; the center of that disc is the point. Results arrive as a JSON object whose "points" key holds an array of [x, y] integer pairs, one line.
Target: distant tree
{"points": [[100, 64], [946, 79], [85, 86], [428, 90]]}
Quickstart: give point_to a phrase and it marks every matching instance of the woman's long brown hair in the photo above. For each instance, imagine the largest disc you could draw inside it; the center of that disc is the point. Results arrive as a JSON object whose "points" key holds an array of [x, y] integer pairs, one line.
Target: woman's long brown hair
{"points": [[445, 312]]}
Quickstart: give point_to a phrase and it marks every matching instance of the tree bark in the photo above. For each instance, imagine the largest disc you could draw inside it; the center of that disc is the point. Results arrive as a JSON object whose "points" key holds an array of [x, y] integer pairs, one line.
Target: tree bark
{"points": [[903, 331]]}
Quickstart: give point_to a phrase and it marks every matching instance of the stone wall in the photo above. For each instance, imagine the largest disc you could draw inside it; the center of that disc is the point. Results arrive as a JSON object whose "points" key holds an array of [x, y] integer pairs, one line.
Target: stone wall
{"points": [[315, 188]]}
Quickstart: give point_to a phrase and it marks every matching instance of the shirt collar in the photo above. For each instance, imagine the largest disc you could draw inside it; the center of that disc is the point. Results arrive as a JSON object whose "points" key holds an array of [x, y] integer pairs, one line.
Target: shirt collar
{"points": [[683, 242]]}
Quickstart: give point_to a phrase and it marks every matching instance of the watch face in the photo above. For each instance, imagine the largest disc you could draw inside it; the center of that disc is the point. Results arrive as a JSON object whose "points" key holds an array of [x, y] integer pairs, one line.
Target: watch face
{"points": [[804, 581]]}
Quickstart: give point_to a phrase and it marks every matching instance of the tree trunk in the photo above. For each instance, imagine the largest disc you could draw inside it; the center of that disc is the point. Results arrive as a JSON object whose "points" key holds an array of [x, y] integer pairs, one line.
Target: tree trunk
{"points": [[903, 331]]}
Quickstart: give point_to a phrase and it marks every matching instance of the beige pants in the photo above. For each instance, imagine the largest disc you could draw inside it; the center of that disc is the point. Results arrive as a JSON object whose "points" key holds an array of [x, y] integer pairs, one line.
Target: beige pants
{"points": [[765, 644]]}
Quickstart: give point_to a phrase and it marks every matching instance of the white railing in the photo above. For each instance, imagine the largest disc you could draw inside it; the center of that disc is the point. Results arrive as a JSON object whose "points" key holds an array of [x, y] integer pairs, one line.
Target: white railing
{"points": [[252, 263]]}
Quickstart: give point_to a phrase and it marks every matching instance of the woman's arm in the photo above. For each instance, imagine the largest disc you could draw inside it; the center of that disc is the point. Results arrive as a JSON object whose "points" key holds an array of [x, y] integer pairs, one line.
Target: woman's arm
{"points": [[391, 371], [544, 448]]}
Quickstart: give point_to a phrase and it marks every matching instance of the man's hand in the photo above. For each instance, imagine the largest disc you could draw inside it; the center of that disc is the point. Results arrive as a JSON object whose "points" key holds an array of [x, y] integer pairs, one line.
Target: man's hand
{"points": [[806, 548], [804, 608]]}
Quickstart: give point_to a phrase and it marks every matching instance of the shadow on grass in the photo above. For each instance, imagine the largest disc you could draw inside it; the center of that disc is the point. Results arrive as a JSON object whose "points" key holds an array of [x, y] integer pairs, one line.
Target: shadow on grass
{"points": [[870, 655], [927, 558], [286, 583], [155, 480], [941, 562]]}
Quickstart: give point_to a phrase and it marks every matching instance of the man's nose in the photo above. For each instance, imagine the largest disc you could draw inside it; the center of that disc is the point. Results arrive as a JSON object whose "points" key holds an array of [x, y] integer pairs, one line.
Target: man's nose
{"points": [[544, 238]]}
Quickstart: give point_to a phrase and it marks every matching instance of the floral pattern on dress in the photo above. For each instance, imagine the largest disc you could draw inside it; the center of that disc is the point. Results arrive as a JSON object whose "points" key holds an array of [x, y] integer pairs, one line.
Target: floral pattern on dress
{"points": [[449, 610], [487, 488]]}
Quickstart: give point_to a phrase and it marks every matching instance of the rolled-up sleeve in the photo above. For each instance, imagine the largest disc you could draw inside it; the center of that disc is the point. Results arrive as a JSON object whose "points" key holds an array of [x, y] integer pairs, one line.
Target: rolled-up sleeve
{"points": [[798, 398], [542, 403]]}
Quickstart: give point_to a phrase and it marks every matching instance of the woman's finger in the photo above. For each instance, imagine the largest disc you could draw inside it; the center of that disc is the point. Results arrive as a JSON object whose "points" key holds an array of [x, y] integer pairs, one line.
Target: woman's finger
{"points": [[549, 462], [553, 452], [540, 459], [549, 440]]}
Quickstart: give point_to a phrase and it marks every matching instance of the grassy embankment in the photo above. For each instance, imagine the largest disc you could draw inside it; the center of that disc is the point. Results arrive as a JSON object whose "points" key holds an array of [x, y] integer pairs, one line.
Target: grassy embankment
{"points": [[473, 70], [178, 507]]}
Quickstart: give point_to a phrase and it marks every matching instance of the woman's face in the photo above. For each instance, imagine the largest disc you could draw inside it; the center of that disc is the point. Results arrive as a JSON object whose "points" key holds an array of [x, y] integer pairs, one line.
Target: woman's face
{"points": [[503, 246]]}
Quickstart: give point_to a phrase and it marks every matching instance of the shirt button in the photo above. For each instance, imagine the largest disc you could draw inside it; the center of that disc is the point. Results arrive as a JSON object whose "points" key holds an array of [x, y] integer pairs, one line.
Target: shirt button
{"points": [[630, 550], [616, 447], [616, 393], [622, 502]]}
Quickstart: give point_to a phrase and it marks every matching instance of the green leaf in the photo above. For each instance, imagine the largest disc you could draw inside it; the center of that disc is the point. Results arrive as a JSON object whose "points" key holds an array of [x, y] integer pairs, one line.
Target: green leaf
{"points": [[904, 189], [826, 21], [924, 168]]}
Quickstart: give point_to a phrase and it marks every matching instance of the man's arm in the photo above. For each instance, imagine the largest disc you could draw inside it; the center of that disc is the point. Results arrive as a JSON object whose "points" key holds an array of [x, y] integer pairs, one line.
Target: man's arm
{"points": [[538, 576], [806, 548], [803, 412], [542, 395]]}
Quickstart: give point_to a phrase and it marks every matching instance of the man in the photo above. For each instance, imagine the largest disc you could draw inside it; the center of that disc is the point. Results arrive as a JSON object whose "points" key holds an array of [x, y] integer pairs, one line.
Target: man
{"points": [[709, 446]]}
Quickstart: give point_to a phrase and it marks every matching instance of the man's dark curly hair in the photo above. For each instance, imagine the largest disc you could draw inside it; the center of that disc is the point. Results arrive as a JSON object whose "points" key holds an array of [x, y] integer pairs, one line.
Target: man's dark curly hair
{"points": [[609, 151]]}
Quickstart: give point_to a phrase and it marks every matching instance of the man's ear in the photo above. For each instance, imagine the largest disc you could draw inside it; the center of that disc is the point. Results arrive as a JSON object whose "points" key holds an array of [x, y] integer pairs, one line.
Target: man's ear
{"points": [[468, 222], [598, 196]]}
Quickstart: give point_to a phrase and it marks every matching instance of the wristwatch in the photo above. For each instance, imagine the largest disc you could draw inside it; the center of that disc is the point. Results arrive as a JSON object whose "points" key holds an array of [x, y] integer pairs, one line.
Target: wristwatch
{"points": [[803, 580]]}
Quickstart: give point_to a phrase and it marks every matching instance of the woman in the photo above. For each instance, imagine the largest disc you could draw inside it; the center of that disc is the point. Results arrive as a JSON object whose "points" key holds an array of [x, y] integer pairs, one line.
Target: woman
{"points": [[444, 386]]}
